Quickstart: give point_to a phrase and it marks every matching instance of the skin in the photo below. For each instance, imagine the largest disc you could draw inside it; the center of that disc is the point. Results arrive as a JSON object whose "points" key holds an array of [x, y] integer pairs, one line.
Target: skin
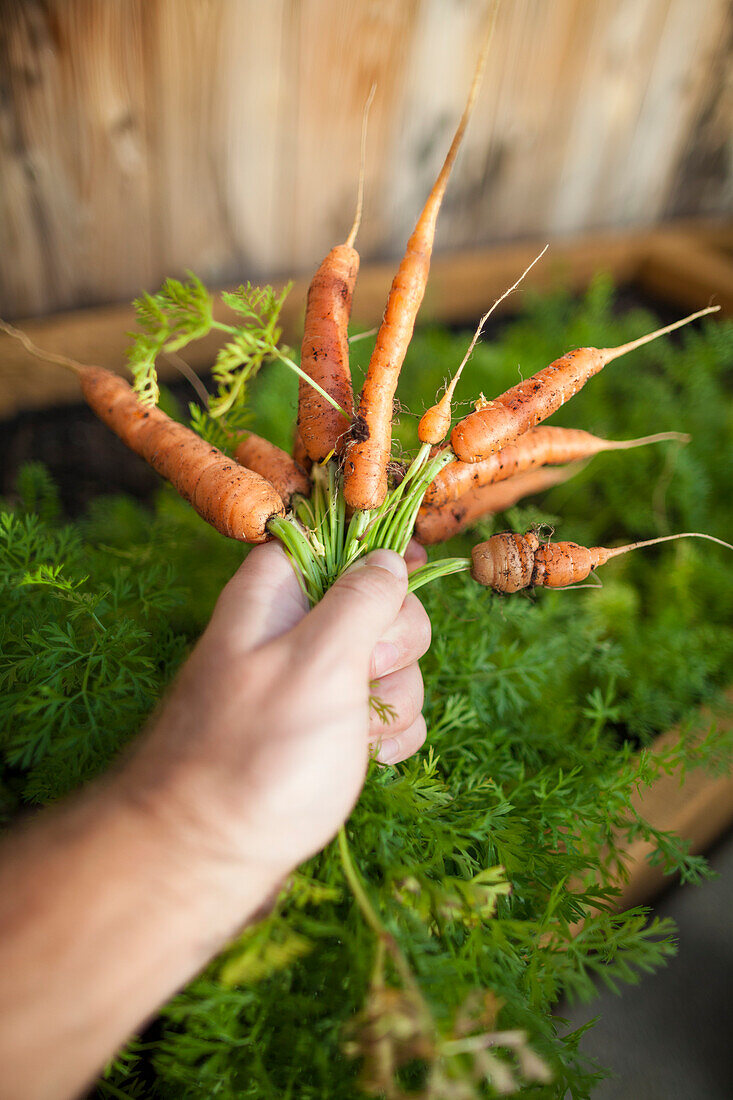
{"points": [[112, 901]]}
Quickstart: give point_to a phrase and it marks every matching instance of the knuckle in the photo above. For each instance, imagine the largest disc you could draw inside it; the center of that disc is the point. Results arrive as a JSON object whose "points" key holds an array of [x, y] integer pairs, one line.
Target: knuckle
{"points": [[384, 584], [369, 584]]}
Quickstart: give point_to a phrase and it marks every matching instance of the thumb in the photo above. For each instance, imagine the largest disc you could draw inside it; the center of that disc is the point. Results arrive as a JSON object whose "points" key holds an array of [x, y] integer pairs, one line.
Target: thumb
{"points": [[261, 601], [357, 610]]}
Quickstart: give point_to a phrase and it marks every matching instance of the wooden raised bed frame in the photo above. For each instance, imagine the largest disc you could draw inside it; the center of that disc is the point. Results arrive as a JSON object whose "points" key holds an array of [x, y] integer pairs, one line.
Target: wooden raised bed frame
{"points": [[688, 264]]}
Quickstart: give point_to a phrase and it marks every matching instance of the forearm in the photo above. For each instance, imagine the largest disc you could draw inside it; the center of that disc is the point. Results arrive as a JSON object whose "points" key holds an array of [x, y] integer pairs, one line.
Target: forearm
{"points": [[106, 909]]}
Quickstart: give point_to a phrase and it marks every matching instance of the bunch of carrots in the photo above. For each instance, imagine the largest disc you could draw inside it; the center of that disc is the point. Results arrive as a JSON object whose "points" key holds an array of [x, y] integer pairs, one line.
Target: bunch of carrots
{"points": [[339, 495]]}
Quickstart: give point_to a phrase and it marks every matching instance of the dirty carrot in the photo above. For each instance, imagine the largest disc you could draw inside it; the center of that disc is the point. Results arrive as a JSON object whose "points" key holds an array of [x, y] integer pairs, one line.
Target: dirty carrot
{"points": [[275, 465], [542, 446], [509, 562], [498, 423], [325, 348], [435, 422], [300, 455], [438, 523], [234, 500], [368, 452]]}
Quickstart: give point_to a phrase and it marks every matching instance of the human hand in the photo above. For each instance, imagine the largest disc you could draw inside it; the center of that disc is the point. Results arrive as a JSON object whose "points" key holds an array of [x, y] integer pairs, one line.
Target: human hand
{"points": [[261, 749]]}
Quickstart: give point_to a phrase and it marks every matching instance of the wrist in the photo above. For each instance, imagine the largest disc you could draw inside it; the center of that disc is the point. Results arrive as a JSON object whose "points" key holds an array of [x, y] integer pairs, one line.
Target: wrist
{"points": [[196, 860]]}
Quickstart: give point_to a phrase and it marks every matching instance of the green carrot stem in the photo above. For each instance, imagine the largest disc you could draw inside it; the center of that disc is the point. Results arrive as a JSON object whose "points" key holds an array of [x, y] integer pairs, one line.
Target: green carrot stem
{"points": [[307, 378], [357, 889], [373, 920], [301, 554], [426, 574]]}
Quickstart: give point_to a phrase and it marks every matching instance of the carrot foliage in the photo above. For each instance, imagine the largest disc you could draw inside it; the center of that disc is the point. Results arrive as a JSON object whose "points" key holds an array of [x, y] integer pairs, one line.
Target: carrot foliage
{"points": [[536, 709], [180, 313]]}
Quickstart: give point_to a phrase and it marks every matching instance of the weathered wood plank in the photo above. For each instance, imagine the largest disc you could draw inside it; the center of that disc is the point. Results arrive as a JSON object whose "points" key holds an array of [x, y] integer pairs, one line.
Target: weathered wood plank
{"points": [[680, 267], [141, 138], [699, 810]]}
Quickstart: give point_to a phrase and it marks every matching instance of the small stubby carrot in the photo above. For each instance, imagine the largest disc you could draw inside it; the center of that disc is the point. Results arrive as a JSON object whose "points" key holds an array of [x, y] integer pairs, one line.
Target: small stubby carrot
{"points": [[509, 562], [368, 452], [324, 354], [497, 423], [236, 501], [437, 523], [541, 446], [275, 465]]}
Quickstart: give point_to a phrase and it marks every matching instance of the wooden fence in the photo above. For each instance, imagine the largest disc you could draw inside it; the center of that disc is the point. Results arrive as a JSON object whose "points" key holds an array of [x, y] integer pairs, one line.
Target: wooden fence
{"points": [[142, 137]]}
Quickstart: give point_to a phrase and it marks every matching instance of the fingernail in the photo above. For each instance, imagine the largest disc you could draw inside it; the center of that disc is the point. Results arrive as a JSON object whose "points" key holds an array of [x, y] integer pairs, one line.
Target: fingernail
{"points": [[389, 560], [389, 750], [384, 658]]}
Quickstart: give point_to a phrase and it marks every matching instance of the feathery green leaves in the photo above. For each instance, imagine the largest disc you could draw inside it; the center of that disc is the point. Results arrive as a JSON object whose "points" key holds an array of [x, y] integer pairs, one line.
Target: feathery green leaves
{"points": [[182, 312], [536, 708], [170, 319]]}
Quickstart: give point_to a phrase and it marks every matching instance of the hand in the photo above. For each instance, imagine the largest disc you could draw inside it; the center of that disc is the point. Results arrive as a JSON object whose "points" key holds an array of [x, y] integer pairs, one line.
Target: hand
{"points": [[261, 749], [126, 890]]}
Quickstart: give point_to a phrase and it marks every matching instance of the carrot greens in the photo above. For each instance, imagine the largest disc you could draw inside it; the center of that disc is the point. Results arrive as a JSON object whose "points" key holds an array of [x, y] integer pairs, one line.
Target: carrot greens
{"points": [[402, 940]]}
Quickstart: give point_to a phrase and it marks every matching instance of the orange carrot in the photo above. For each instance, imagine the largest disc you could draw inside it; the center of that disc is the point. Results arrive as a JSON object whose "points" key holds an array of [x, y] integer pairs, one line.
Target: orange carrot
{"points": [[498, 423], [368, 452], [275, 465], [324, 352], [543, 446], [234, 500], [509, 562], [438, 523], [300, 455], [435, 422]]}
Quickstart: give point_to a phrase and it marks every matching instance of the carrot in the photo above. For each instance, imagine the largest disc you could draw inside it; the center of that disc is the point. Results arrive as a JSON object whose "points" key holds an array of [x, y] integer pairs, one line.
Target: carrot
{"points": [[541, 446], [368, 452], [438, 523], [234, 500], [498, 423], [435, 422], [324, 351], [275, 465], [300, 455], [509, 562]]}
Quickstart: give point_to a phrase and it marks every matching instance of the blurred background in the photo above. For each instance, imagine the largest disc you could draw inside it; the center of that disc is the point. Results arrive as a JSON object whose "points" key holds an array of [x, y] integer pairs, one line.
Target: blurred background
{"points": [[142, 138]]}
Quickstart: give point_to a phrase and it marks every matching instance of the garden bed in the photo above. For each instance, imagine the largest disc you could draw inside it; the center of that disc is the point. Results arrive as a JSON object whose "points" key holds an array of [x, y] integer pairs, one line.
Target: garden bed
{"points": [[537, 710]]}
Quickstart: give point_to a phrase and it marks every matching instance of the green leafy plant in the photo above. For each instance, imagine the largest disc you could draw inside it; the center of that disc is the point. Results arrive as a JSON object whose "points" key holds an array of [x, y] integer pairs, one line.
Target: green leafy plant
{"points": [[180, 313], [538, 709]]}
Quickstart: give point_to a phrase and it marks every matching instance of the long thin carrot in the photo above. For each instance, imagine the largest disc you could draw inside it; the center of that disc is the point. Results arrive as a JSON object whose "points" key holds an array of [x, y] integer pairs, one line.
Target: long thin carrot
{"points": [[542, 446], [325, 348], [234, 500], [368, 452], [439, 523], [498, 423], [275, 465], [509, 562]]}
